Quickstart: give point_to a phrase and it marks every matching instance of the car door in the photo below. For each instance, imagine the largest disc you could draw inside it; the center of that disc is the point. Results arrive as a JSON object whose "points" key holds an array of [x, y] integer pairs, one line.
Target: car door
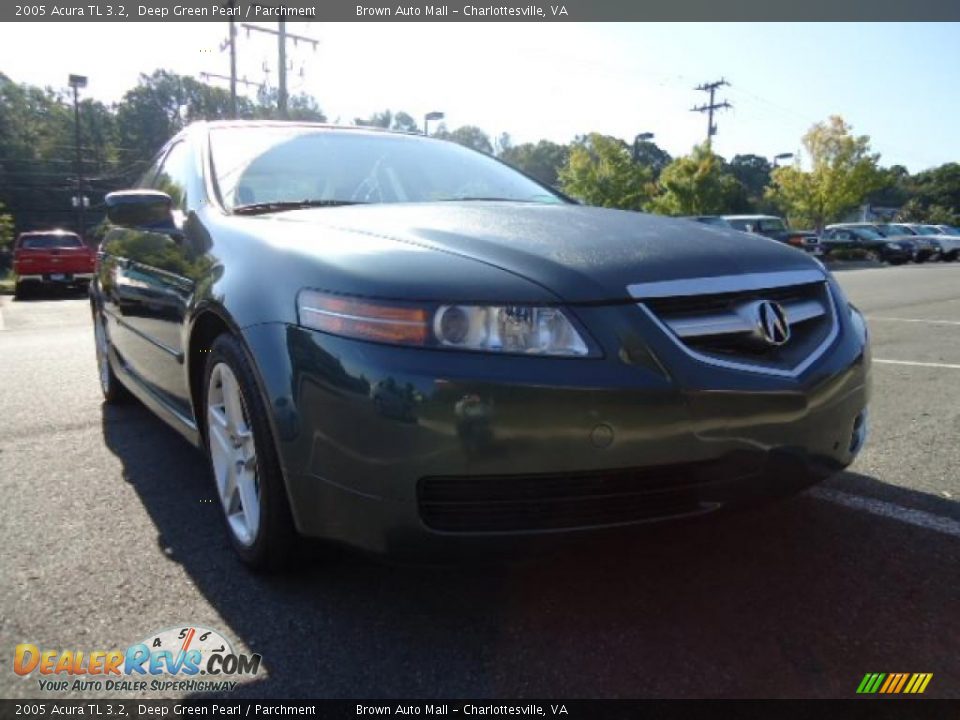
{"points": [[153, 280]]}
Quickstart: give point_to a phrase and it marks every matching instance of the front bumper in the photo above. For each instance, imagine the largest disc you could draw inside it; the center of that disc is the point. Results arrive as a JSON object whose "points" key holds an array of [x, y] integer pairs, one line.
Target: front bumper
{"points": [[427, 452]]}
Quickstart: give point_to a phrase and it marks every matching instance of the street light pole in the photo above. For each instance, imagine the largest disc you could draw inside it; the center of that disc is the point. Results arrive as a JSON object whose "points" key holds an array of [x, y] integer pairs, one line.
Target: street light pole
{"points": [[639, 138], [428, 117], [77, 82], [781, 156]]}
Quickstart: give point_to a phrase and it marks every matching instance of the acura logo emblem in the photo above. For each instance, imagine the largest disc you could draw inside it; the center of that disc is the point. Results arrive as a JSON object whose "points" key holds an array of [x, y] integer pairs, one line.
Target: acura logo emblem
{"points": [[771, 322]]}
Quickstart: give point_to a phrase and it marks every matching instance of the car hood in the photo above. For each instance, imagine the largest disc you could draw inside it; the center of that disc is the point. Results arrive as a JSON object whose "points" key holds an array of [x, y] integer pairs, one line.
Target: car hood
{"points": [[580, 254]]}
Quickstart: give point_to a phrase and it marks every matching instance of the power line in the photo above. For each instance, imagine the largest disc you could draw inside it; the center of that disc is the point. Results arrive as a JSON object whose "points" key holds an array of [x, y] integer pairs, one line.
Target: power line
{"points": [[712, 106], [282, 37]]}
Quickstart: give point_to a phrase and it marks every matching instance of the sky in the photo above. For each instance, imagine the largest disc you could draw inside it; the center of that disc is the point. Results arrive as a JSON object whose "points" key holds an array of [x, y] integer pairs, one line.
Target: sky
{"points": [[899, 83]]}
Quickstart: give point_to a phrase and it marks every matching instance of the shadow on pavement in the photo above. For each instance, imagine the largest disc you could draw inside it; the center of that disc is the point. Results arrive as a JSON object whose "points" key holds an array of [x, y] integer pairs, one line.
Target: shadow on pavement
{"points": [[35, 294], [799, 599]]}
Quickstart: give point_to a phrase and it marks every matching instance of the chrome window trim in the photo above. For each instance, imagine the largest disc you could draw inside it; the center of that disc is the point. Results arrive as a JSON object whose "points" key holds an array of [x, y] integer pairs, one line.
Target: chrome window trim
{"points": [[724, 283], [759, 281]]}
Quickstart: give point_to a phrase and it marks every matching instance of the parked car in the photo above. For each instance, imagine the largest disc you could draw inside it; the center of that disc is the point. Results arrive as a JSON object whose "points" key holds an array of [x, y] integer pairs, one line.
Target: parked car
{"points": [[51, 257], [948, 245], [776, 228], [542, 368], [714, 220], [927, 247], [895, 251]]}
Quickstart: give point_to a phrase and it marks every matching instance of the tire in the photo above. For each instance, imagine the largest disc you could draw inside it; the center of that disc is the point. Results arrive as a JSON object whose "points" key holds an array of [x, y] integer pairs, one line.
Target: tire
{"points": [[19, 291], [114, 392], [243, 460]]}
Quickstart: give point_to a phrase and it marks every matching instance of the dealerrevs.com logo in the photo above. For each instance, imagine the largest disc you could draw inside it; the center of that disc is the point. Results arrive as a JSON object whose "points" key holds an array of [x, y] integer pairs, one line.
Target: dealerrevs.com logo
{"points": [[185, 659]]}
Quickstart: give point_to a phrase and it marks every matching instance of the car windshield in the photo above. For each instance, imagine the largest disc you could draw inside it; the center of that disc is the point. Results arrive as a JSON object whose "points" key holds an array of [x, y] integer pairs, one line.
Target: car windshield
{"points": [[775, 225], [719, 221], [868, 233], [302, 164], [757, 224], [46, 242], [949, 230], [895, 230]]}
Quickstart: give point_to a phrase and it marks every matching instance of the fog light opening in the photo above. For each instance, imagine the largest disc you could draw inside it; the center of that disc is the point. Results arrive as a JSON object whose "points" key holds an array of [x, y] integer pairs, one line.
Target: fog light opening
{"points": [[861, 428]]}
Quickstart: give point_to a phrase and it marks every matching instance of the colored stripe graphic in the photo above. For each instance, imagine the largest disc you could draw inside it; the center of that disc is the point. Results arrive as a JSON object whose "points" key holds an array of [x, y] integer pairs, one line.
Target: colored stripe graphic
{"points": [[894, 683]]}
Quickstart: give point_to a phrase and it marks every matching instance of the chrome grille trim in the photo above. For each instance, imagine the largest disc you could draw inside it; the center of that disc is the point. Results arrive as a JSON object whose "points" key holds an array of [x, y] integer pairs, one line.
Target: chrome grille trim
{"points": [[718, 284], [733, 322], [729, 322]]}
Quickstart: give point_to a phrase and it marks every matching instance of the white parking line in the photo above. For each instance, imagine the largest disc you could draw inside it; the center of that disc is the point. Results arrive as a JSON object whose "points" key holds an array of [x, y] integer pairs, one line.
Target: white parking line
{"points": [[919, 518], [948, 366], [871, 318]]}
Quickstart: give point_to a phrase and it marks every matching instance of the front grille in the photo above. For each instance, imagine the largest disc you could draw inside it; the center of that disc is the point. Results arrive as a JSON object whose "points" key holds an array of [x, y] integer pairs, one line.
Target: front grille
{"points": [[561, 501], [720, 324]]}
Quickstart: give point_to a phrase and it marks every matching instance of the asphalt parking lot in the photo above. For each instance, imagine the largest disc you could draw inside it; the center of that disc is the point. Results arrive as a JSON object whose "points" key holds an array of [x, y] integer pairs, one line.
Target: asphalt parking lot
{"points": [[109, 533]]}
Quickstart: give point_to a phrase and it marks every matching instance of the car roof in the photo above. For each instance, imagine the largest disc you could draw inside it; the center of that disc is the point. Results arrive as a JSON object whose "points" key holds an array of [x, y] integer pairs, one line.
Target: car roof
{"points": [[52, 231], [221, 124]]}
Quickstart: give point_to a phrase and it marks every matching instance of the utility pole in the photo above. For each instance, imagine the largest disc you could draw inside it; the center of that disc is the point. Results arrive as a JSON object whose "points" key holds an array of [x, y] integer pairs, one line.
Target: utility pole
{"points": [[712, 106], [233, 62], [282, 37], [77, 82], [282, 74]]}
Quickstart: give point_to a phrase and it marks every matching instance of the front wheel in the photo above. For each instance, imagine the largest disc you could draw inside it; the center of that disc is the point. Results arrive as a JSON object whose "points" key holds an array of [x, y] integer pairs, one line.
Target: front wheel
{"points": [[113, 390], [243, 460]]}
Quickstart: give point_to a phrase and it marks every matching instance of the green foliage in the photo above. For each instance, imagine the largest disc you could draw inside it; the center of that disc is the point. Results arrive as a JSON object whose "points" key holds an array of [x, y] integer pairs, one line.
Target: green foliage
{"points": [[38, 146], [388, 120], [652, 155], [600, 171], [935, 194], [697, 184], [542, 161], [6, 229], [844, 172], [469, 136], [753, 172]]}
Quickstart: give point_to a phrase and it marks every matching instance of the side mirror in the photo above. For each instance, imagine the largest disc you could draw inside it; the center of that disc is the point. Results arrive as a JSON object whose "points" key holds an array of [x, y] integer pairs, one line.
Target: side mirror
{"points": [[140, 209]]}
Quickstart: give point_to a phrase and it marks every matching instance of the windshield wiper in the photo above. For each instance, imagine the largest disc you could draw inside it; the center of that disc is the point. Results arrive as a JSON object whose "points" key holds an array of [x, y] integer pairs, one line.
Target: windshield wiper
{"points": [[483, 199], [281, 205]]}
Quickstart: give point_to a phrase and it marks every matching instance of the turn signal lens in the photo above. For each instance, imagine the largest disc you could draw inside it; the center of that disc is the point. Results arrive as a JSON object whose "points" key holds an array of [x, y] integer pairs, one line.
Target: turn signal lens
{"points": [[363, 319]]}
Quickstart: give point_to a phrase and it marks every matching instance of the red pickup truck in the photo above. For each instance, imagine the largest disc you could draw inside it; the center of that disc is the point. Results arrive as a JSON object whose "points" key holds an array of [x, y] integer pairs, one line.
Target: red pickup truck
{"points": [[55, 257]]}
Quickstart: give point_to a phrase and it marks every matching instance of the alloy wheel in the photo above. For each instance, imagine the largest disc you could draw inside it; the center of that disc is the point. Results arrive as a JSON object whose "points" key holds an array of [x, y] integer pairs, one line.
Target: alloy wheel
{"points": [[103, 352], [233, 454]]}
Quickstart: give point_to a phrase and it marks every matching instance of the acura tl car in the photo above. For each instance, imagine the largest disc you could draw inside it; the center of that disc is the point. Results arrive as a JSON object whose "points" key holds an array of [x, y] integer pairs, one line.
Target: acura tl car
{"points": [[405, 346]]}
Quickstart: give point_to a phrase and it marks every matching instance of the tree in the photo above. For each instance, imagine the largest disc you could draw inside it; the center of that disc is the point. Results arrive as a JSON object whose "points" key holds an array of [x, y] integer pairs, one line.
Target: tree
{"points": [[6, 229], [753, 172], [301, 107], [388, 120], [844, 172], [936, 190], [600, 171], [652, 155], [468, 135], [542, 161], [697, 184], [404, 122]]}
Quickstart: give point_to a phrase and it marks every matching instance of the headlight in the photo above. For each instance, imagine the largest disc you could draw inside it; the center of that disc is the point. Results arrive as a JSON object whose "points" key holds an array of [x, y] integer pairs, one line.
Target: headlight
{"points": [[510, 328], [893, 246]]}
